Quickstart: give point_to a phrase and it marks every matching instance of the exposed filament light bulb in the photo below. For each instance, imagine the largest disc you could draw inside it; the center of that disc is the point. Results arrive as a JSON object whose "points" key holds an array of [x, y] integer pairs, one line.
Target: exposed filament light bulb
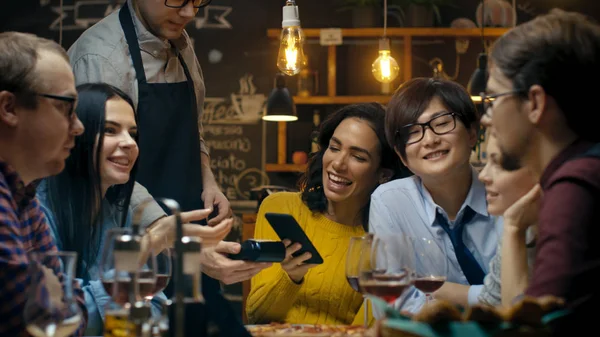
{"points": [[291, 58], [385, 68]]}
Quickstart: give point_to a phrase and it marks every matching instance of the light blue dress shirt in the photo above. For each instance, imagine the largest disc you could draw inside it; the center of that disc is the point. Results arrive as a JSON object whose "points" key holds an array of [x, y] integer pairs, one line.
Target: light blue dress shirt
{"points": [[96, 298], [405, 206]]}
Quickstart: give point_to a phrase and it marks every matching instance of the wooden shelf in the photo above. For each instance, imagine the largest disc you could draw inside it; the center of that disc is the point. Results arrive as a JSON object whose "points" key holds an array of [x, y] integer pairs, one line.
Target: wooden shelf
{"points": [[406, 34], [341, 99], [401, 32], [285, 168]]}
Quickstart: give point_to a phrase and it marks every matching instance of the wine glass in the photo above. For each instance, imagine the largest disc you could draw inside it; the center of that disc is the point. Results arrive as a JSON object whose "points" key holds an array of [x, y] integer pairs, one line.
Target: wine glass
{"points": [[387, 272], [357, 246], [164, 266], [431, 266], [163, 276], [51, 309], [117, 283]]}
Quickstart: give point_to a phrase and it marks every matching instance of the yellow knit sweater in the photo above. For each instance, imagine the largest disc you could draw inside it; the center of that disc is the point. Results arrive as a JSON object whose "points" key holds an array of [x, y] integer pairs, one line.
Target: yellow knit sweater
{"points": [[324, 297]]}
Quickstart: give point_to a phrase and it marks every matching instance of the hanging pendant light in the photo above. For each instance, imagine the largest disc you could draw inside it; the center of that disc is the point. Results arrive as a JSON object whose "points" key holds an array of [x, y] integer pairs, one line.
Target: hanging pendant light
{"points": [[291, 58], [385, 68], [478, 81], [280, 104]]}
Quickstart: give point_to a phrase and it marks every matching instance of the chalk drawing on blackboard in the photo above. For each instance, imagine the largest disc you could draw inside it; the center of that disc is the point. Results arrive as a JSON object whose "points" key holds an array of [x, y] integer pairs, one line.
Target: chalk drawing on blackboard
{"points": [[214, 17], [247, 102], [249, 179], [233, 160], [80, 15], [244, 107]]}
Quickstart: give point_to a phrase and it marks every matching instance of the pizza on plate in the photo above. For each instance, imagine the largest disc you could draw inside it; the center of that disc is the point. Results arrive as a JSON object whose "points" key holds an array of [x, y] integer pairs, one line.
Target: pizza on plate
{"points": [[308, 330]]}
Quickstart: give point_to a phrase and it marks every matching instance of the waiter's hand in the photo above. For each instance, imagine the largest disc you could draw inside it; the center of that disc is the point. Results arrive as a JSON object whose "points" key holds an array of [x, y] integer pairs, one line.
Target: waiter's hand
{"points": [[213, 197], [162, 231], [216, 265]]}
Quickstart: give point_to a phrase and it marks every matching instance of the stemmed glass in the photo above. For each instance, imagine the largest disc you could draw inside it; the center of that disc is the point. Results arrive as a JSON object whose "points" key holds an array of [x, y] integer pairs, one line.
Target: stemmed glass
{"points": [[431, 266], [163, 276], [164, 267], [121, 280], [387, 272], [51, 309], [358, 245]]}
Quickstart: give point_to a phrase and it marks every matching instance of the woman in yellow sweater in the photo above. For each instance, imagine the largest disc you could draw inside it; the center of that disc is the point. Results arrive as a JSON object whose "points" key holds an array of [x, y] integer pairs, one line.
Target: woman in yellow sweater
{"points": [[332, 207]]}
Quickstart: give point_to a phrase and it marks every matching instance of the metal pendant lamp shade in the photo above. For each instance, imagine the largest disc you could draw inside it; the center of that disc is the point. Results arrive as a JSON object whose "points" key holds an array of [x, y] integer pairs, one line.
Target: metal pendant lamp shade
{"points": [[280, 104], [478, 81]]}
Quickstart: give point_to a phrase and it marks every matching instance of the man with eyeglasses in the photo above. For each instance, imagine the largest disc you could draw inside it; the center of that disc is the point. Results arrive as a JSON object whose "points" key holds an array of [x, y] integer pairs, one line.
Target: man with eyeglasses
{"points": [[144, 50], [37, 132], [542, 115]]}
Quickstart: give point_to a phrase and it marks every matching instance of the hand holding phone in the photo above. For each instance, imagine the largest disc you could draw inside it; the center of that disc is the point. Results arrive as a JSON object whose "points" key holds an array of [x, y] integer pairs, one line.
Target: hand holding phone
{"points": [[288, 228], [295, 267]]}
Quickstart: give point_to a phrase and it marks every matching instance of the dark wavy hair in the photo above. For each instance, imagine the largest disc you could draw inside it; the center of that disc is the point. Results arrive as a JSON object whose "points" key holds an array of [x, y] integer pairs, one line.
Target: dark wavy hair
{"points": [[75, 195], [311, 182]]}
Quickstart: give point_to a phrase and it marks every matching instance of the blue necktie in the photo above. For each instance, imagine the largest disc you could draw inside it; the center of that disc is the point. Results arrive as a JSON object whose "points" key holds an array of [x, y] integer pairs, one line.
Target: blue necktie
{"points": [[466, 260]]}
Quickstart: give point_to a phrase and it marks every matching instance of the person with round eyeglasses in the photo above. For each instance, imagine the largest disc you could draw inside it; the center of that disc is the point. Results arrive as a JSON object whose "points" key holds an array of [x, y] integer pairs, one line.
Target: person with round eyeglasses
{"points": [[433, 126]]}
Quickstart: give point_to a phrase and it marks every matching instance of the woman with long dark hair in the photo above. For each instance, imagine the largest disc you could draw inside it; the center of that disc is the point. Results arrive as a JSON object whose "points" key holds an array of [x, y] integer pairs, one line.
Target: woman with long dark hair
{"points": [[92, 194], [95, 193], [332, 207]]}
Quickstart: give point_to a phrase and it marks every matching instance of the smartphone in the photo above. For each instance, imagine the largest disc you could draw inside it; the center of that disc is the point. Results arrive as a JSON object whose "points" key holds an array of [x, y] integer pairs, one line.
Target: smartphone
{"points": [[287, 227]]}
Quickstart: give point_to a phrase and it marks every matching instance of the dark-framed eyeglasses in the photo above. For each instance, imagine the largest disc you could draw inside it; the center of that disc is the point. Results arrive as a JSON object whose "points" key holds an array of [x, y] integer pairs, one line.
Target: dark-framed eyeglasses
{"points": [[488, 100], [69, 99], [413, 133], [183, 3]]}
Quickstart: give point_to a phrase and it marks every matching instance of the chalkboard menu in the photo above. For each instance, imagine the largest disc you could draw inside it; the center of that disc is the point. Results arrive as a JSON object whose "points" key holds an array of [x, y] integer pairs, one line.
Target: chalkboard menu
{"points": [[233, 132]]}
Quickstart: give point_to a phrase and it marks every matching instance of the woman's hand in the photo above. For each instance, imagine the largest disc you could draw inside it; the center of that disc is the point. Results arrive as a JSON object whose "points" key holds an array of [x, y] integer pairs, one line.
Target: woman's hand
{"points": [[162, 231], [294, 266], [524, 212], [210, 235]]}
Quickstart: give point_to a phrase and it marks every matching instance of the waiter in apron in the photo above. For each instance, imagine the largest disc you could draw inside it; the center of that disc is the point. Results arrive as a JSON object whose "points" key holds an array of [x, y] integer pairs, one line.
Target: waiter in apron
{"points": [[127, 49]]}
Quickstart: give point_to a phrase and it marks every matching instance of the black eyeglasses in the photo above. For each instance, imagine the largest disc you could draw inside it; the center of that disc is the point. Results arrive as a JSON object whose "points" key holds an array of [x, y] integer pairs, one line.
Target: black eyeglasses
{"points": [[68, 99], [413, 133], [183, 3], [488, 100]]}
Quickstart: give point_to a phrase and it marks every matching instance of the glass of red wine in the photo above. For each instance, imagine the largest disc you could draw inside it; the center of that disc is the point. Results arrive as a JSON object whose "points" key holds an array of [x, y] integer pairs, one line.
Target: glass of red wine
{"points": [[119, 281], [163, 265], [358, 245], [162, 256], [431, 266], [387, 272]]}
